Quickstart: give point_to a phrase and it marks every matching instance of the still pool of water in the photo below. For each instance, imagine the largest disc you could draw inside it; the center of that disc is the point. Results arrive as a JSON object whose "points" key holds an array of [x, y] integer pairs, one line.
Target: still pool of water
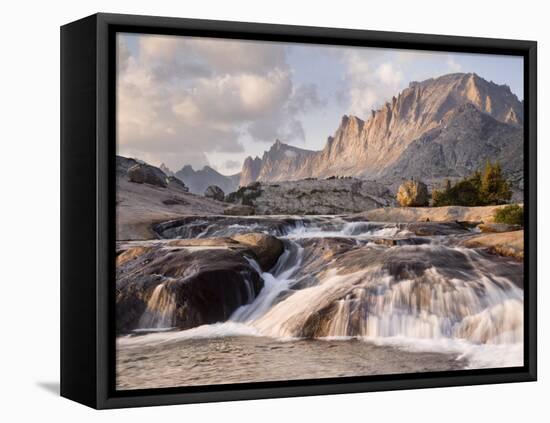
{"points": [[241, 359]]}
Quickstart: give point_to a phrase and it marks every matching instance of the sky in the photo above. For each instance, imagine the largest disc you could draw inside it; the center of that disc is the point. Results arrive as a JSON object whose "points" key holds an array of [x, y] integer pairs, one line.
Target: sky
{"points": [[205, 101]]}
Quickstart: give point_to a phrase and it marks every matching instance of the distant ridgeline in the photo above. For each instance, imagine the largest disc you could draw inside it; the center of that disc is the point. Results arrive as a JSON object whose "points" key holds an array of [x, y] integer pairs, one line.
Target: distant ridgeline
{"points": [[442, 128], [199, 180]]}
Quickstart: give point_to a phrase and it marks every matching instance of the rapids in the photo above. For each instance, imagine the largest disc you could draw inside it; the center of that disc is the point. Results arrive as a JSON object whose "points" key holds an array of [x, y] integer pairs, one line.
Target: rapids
{"points": [[405, 286]]}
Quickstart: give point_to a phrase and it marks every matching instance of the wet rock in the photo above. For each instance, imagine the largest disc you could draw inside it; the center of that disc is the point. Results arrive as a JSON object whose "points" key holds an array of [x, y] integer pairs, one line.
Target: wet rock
{"points": [[201, 284], [267, 248], [207, 242], [413, 194], [141, 173], [222, 226], [320, 250], [372, 281], [240, 211], [468, 224], [497, 227], [214, 192], [391, 242], [436, 228], [130, 254], [386, 241]]}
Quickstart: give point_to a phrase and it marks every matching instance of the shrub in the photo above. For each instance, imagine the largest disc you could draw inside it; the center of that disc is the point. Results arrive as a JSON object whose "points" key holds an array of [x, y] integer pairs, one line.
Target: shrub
{"points": [[245, 195], [512, 215], [478, 189], [463, 193]]}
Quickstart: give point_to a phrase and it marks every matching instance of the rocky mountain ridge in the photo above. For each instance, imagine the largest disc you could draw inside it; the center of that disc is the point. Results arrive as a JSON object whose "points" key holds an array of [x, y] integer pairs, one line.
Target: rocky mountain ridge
{"points": [[199, 180], [313, 196], [377, 147]]}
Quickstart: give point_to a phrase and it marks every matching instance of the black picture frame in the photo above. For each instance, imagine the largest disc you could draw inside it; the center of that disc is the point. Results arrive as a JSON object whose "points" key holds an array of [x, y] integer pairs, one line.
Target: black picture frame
{"points": [[88, 212]]}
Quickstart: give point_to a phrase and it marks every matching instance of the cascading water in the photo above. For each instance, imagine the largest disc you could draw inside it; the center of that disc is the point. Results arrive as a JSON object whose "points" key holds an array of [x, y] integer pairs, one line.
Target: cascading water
{"points": [[454, 298], [373, 303], [160, 310], [275, 282]]}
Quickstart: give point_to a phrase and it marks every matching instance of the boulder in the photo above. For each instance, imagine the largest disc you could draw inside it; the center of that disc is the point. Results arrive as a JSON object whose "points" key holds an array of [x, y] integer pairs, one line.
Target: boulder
{"points": [[214, 192], [266, 248], [172, 180], [413, 194], [142, 173], [123, 164], [239, 211]]}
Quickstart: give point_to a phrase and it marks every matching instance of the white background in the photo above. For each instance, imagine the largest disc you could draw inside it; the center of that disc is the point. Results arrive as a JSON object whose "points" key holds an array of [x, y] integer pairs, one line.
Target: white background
{"points": [[29, 166]]}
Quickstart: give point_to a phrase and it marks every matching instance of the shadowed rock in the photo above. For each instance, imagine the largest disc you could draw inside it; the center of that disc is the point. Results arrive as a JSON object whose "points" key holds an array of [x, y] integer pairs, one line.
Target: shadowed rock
{"points": [[214, 192], [200, 284], [239, 211], [497, 227], [142, 173], [267, 248], [172, 180]]}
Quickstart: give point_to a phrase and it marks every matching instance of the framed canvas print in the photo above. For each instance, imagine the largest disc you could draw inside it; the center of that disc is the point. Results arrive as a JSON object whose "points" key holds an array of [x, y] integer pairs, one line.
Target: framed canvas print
{"points": [[256, 211]]}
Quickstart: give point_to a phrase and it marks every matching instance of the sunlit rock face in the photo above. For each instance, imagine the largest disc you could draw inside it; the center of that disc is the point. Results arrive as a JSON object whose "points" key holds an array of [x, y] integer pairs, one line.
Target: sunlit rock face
{"points": [[370, 147], [280, 163]]}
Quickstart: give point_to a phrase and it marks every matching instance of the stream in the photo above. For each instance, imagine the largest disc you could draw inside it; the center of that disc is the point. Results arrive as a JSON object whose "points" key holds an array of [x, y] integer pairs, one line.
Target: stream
{"points": [[345, 298]]}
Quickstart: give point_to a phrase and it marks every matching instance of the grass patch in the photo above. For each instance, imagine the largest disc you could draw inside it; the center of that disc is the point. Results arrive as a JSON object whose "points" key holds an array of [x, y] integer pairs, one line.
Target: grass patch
{"points": [[511, 215]]}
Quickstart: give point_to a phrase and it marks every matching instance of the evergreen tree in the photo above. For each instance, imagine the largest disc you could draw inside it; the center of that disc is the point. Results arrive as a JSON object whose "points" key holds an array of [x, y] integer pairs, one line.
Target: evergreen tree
{"points": [[494, 189]]}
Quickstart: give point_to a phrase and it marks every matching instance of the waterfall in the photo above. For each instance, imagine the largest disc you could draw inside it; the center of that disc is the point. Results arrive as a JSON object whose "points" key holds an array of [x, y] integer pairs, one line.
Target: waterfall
{"points": [[340, 322], [371, 303], [275, 282], [160, 310]]}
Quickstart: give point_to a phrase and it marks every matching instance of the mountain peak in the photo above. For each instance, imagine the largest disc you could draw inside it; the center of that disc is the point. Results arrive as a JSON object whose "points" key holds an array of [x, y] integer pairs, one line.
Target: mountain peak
{"points": [[351, 124], [199, 180], [366, 147], [278, 145], [166, 169]]}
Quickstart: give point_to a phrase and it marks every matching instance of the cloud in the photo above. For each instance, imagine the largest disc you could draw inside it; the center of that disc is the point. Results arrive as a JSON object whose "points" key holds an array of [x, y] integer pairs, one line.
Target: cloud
{"points": [[232, 165], [368, 82], [285, 124], [453, 65], [388, 75], [123, 55], [181, 97], [373, 76], [231, 98]]}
